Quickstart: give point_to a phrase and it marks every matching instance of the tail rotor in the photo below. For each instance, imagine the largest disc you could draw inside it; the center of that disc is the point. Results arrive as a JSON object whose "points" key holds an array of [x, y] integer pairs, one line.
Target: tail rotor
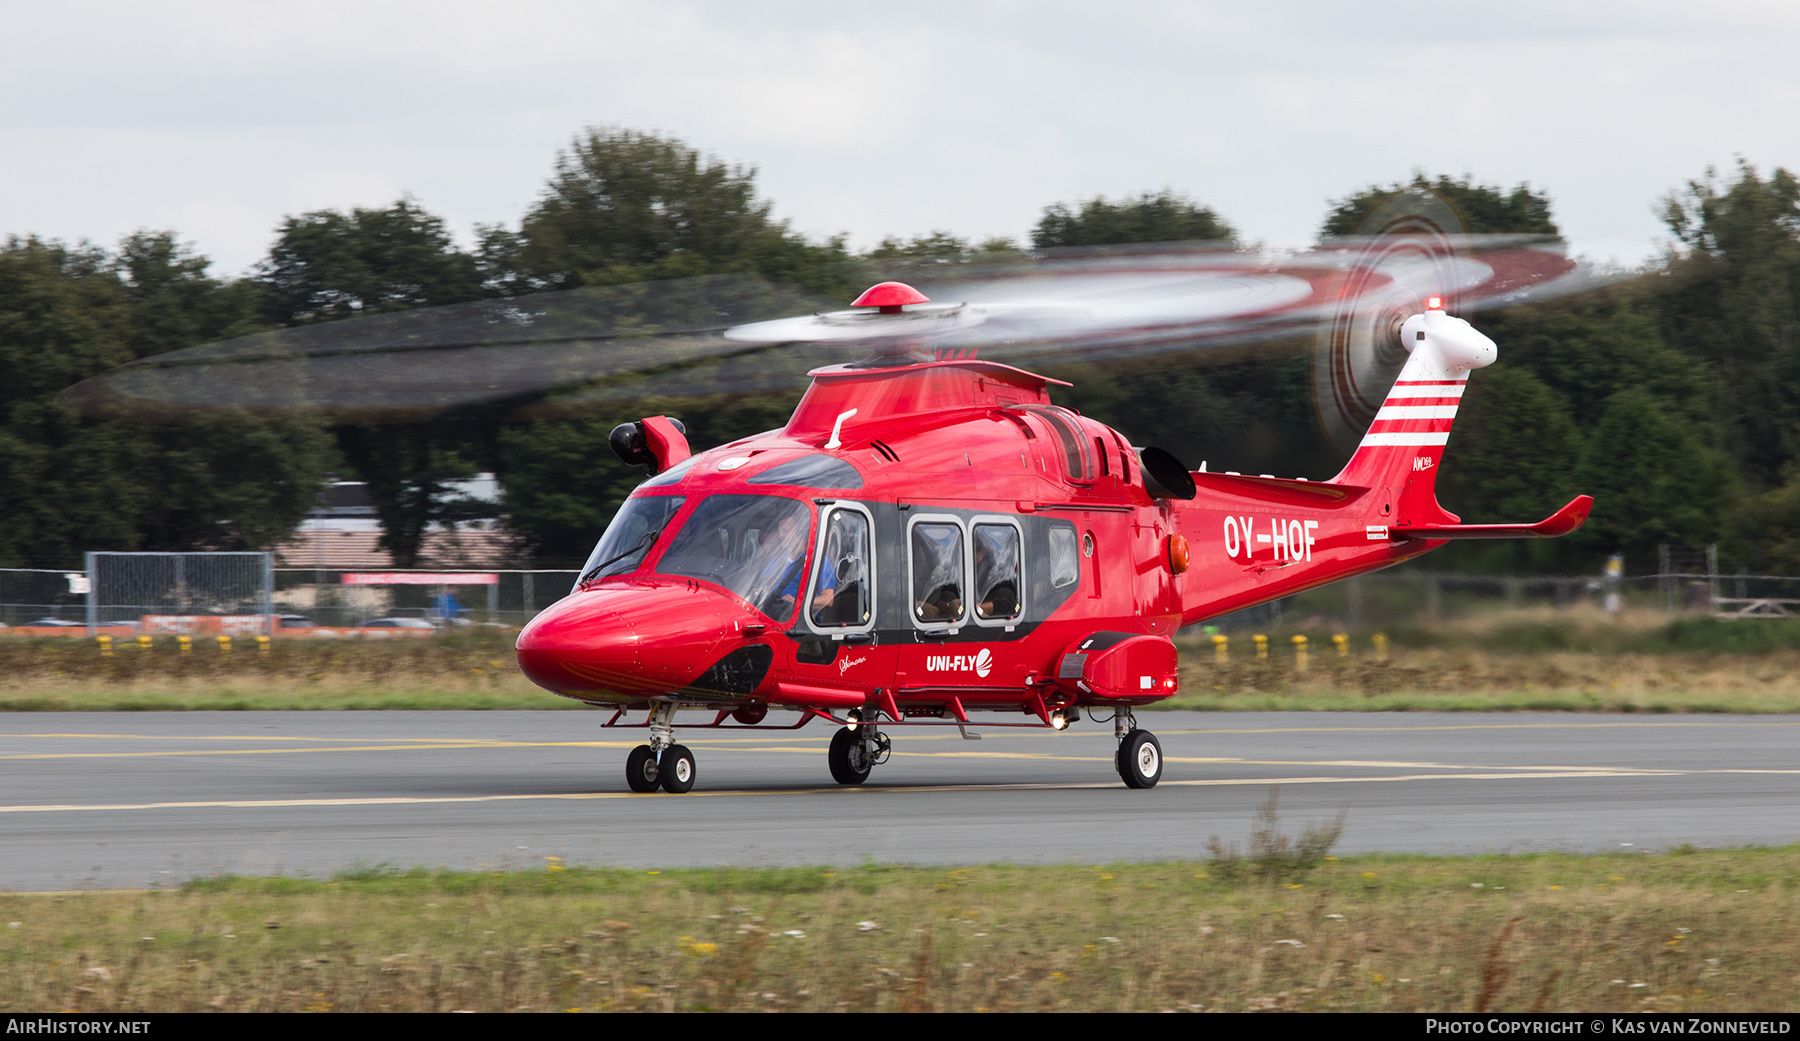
{"points": [[1412, 247]]}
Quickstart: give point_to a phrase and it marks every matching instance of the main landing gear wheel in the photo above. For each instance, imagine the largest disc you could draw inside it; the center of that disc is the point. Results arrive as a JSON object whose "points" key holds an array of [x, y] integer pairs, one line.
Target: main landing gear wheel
{"points": [[849, 763], [641, 771], [677, 772], [1140, 759]]}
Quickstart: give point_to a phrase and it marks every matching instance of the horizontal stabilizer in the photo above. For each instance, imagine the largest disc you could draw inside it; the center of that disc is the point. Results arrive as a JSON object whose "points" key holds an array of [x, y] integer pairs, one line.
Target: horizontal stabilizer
{"points": [[1561, 522]]}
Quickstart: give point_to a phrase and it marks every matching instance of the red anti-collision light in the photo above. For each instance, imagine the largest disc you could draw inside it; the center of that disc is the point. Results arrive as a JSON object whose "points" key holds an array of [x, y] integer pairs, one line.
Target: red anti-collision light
{"points": [[890, 297], [1434, 303]]}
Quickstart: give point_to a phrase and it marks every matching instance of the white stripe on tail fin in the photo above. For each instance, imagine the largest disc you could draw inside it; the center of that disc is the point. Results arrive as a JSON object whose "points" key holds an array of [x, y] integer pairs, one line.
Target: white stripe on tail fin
{"points": [[1400, 455]]}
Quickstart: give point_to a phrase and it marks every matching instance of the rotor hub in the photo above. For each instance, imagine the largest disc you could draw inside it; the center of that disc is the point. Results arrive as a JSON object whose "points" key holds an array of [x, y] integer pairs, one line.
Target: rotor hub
{"points": [[890, 297]]}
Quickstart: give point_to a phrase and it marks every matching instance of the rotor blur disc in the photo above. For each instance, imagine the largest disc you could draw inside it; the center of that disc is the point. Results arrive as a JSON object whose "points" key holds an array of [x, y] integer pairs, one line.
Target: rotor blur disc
{"points": [[1413, 247], [919, 321]]}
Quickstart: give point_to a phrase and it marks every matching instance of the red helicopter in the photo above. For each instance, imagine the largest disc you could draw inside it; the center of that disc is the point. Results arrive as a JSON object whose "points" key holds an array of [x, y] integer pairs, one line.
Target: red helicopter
{"points": [[930, 537]]}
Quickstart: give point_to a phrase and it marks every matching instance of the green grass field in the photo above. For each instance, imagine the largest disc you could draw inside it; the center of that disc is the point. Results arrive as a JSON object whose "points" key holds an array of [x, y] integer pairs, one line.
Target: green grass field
{"points": [[1675, 931]]}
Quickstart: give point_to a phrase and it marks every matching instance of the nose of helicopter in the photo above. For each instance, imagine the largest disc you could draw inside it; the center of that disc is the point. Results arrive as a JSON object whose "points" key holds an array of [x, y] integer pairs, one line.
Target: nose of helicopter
{"points": [[636, 639]]}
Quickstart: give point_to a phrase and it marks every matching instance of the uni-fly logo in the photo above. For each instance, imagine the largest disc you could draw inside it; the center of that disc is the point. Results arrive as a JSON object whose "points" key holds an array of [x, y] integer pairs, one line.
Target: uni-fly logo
{"points": [[980, 663]]}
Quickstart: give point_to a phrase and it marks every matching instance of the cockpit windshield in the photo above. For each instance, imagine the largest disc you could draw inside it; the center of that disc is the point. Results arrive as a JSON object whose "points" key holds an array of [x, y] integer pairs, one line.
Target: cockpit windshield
{"points": [[754, 545], [631, 534]]}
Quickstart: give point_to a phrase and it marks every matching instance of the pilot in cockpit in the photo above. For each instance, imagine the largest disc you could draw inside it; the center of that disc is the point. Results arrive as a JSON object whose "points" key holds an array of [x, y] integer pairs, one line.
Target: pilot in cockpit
{"points": [[784, 568]]}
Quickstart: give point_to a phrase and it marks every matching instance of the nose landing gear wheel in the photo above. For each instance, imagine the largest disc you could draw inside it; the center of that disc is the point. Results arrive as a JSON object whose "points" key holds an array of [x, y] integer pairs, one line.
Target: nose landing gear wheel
{"points": [[849, 764], [677, 773], [1140, 760], [641, 772]]}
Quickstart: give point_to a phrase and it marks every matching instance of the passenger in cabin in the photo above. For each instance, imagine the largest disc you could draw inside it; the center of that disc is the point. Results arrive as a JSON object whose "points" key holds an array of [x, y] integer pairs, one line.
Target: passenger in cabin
{"points": [[943, 605], [996, 573], [937, 551]]}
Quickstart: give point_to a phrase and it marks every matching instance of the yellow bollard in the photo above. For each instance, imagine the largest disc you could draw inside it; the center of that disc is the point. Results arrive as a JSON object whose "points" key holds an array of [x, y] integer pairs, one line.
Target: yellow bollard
{"points": [[143, 643], [1262, 647], [1380, 647], [186, 642], [1299, 654], [105, 643], [1343, 645], [224, 644], [262, 644], [1221, 652]]}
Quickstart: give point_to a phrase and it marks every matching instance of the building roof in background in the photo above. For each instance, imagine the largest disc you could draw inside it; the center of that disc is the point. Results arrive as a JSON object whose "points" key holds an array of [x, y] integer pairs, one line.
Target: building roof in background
{"points": [[356, 548], [351, 498]]}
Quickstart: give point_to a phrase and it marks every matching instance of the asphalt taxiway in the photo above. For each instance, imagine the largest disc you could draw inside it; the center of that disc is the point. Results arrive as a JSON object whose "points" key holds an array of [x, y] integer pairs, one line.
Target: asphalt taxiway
{"points": [[129, 800]]}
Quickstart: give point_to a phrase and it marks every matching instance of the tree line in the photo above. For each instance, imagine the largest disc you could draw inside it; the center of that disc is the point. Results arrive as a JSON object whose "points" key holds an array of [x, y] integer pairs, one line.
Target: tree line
{"points": [[1672, 399]]}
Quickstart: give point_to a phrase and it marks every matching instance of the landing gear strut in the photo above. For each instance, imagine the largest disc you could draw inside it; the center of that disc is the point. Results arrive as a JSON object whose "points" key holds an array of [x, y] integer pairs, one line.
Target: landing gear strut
{"points": [[855, 750], [661, 763], [1139, 758]]}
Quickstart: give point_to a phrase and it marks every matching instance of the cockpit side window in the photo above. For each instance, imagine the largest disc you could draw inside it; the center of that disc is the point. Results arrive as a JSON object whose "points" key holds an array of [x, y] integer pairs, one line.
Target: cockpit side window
{"points": [[843, 588]]}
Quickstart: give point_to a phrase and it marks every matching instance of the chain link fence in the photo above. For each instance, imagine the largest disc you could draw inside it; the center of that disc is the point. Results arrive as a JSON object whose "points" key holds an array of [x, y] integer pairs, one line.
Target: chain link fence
{"points": [[1403, 595], [329, 598], [224, 593], [33, 596], [1687, 581]]}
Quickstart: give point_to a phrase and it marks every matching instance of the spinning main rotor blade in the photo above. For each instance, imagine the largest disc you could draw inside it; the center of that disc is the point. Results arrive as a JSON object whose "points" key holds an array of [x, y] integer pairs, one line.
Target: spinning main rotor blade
{"points": [[602, 350], [407, 366], [1187, 305], [1093, 304]]}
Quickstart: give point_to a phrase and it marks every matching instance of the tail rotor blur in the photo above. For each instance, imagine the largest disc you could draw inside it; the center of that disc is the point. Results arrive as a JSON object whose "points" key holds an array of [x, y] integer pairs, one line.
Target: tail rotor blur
{"points": [[1410, 248]]}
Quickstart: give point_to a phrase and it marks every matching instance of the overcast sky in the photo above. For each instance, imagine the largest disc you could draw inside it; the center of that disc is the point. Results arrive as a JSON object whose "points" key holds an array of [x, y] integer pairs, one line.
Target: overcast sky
{"points": [[216, 119]]}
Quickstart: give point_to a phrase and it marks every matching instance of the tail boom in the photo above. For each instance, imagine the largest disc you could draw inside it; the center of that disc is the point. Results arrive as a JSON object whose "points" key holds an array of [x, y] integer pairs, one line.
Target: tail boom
{"points": [[1274, 538]]}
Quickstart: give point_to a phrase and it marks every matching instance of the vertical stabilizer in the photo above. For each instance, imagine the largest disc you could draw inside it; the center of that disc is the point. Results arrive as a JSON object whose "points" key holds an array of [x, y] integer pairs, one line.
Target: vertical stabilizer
{"points": [[1400, 455]]}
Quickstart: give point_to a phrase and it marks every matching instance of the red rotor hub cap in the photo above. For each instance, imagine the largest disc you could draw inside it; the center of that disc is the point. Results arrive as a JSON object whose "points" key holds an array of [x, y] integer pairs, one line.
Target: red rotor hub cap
{"points": [[890, 297]]}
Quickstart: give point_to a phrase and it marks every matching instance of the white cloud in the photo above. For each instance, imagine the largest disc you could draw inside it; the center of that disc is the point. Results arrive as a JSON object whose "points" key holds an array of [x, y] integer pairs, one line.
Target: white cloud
{"points": [[219, 118]]}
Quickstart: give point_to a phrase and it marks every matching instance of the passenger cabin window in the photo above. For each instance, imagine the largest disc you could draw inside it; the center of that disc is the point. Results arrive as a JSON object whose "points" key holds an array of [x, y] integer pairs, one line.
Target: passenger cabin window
{"points": [[997, 577], [937, 572], [843, 590], [1065, 559]]}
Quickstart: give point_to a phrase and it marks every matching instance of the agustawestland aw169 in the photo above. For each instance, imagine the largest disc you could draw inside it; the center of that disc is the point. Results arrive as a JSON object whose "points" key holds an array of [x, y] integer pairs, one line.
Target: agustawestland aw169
{"points": [[930, 537]]}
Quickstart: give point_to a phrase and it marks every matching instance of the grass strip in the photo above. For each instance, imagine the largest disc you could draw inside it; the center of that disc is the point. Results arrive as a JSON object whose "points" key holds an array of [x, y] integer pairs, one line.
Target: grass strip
{"points": [[1683, 930], [1509, 663]]}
